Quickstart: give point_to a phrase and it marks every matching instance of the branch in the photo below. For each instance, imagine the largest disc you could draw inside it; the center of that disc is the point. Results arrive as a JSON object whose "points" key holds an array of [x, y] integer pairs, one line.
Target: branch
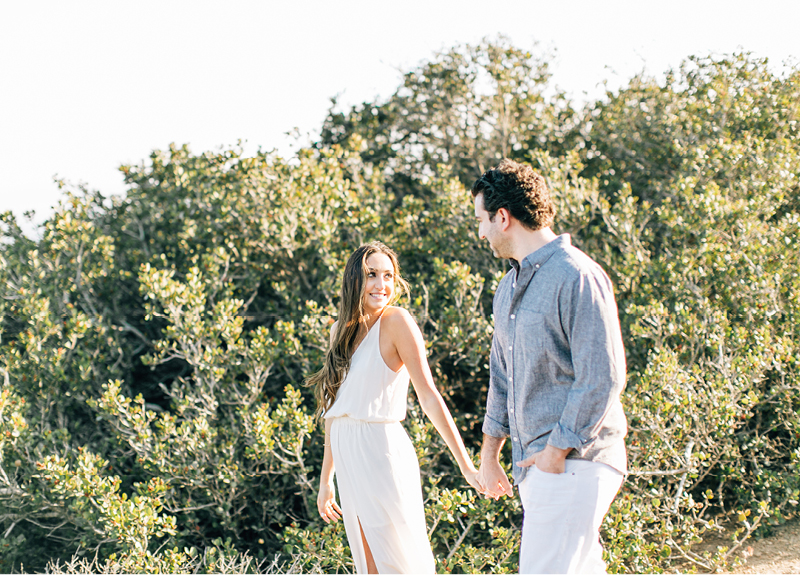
{"points": [[686, 456], [644, 472], [125, 326], [434, 526], [184, 509], [461, 538], [749, 532], [10, 529], [686, 556]]}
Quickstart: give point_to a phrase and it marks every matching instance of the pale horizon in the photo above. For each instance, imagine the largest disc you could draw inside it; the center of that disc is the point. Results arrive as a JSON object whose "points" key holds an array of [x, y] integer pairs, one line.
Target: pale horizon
{"points": [[89, 86]]}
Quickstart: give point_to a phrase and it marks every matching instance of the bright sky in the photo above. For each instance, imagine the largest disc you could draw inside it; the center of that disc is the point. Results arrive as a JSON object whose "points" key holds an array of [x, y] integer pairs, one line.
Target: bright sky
{"points": [[86, 86]]}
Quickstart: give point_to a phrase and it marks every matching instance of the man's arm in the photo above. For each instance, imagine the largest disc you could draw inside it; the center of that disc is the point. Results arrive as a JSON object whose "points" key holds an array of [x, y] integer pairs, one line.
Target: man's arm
{"points": [[491, 477], [493, 480], [591, 323], [495, 423]]}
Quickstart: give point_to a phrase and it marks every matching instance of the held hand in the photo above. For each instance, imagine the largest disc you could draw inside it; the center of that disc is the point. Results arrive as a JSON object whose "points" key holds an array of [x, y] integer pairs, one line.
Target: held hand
{"points": [[471, 475], [493, 480], [550, 459], [326, 504]]}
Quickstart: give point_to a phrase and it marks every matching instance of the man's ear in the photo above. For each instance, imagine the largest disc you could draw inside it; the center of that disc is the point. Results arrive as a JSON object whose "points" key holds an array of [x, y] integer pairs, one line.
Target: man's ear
{"points": [[505, 218]]}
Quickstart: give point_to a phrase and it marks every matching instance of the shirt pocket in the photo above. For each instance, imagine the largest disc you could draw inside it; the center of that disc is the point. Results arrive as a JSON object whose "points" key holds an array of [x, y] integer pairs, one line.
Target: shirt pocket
{"points": [[531, 331], [533, 303]]}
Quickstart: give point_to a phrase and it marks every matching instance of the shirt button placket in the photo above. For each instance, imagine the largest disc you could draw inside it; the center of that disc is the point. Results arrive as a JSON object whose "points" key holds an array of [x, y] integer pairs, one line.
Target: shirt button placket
{"points": [[511, 416], [512, 419]]}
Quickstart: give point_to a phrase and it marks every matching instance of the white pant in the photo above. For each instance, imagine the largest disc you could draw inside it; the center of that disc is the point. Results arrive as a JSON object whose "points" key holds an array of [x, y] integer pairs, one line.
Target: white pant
{"points": [[563, 514]]}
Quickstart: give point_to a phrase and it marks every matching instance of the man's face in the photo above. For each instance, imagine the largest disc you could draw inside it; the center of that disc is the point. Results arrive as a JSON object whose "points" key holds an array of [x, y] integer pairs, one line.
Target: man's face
{"points": [[491, 230]]}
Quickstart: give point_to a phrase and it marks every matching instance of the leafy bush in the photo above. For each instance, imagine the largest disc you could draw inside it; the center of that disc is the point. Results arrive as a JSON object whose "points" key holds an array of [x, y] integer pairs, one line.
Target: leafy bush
{"points": [[153, 347]]}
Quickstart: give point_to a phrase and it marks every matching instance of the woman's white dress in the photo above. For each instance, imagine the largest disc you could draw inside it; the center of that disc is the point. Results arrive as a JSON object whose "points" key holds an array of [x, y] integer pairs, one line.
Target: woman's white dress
{"points": [[377, 471]]}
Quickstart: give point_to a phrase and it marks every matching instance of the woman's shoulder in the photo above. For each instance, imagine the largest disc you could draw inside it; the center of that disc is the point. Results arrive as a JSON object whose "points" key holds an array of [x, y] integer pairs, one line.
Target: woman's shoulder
{"points": [[401, 325], [394, 316]]}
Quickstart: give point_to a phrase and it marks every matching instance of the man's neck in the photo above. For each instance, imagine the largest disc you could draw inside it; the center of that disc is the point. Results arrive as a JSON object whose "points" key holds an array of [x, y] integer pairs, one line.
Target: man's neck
{"points": [[528, 242]]}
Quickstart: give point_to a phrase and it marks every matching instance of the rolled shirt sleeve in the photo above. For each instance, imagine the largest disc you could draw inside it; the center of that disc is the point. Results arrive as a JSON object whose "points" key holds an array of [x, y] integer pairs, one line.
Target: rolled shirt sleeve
{"points": [[591, 323]]}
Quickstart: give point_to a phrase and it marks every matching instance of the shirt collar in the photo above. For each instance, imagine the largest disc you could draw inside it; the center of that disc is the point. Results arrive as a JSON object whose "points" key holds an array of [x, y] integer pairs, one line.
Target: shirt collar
{"points": [[537, 258]]}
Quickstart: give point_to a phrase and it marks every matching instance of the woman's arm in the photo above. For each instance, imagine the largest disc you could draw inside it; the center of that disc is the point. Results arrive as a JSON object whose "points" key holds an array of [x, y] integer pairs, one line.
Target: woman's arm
{"points": [[326, 499], [407, 340]]}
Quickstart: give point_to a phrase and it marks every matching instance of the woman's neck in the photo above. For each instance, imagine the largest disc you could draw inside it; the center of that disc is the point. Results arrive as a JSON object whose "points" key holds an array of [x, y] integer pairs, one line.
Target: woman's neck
{"points": [[370, 318]]}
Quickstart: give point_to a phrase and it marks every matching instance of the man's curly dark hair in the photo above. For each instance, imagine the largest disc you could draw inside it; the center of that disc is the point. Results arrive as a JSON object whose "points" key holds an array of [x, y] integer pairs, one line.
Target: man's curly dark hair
{"points": [[519, 189]]}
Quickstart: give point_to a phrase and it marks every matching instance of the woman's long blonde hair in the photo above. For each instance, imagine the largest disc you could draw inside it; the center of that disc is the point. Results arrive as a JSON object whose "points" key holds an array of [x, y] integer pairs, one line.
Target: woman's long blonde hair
{"points": [[326, 382]]}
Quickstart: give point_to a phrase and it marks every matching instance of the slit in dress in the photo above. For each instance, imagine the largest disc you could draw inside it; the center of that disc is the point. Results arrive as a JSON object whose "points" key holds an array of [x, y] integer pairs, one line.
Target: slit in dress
{"points": [[367, 549]]}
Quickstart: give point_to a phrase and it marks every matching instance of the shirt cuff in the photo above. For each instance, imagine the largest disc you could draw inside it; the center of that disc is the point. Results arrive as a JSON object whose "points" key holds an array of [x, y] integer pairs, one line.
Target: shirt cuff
{"points": [[563, 438], [495, 428]]}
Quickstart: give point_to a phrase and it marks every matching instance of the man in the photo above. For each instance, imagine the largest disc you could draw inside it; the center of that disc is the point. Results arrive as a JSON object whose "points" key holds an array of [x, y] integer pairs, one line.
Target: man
{"points": [[557, 370]]}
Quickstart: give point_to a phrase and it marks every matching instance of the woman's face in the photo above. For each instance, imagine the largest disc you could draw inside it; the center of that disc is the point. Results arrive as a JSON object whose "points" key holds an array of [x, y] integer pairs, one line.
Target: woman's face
{"points": [[380, 282]]}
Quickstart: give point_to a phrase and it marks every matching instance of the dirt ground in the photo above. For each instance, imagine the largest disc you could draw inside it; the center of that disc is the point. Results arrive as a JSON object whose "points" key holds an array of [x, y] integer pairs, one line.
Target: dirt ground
{"points": [[778, 553]]}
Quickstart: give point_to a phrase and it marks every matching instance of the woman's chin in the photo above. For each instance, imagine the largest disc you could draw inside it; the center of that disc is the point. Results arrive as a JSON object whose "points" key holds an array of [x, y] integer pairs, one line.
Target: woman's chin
{"points": [[372, 306]]}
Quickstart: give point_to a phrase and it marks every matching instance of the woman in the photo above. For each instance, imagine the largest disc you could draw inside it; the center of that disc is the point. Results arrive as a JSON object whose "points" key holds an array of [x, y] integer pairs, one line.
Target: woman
{"points": [[361, 390]]}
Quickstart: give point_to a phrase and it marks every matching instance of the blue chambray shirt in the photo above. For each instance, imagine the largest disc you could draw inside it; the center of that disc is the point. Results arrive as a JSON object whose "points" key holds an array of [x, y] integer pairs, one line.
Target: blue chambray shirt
{"points": [[557, 365]]}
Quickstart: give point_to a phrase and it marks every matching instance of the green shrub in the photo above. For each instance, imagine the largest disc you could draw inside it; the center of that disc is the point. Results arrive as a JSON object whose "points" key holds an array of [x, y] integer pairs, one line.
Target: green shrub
{"points": [[153, 347]]}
